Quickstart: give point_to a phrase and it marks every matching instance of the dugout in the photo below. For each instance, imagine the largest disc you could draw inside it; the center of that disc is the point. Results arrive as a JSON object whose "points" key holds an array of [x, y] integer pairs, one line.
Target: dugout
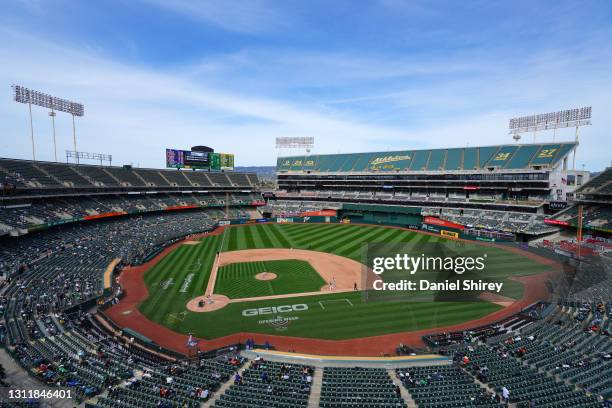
{"points": [[407, 217]]}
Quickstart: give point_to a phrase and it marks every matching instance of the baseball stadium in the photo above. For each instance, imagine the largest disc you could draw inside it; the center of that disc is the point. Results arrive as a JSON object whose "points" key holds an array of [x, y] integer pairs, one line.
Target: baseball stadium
{"points": [[381, 261], [182, 268]]}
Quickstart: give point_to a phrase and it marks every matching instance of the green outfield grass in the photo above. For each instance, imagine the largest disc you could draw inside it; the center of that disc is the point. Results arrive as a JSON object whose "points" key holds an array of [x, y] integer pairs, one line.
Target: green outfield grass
{"points": [[237, 280], [171, 286]]}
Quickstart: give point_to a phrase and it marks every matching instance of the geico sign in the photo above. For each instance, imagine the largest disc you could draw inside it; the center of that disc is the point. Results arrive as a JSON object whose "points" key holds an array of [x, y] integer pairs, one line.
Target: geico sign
{"points": [[274, 309]]}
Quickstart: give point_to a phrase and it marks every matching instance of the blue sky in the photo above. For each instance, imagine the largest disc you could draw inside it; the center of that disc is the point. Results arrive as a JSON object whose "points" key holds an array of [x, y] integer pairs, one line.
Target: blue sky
{"points": [[356, 75]]}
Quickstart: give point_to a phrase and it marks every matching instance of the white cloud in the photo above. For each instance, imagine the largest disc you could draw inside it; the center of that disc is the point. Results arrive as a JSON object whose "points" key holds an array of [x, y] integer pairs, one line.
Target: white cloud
{"points": [[134, 112], [241, 16]]}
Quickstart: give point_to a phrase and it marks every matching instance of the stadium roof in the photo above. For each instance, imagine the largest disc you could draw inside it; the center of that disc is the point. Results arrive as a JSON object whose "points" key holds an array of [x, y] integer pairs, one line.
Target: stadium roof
{"points": [[512, 157]]}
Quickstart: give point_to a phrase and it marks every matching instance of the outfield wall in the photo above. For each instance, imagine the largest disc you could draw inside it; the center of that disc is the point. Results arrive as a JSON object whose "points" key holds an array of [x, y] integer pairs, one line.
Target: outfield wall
{"points": [[384, 215], [281, 220], [394, 215]]}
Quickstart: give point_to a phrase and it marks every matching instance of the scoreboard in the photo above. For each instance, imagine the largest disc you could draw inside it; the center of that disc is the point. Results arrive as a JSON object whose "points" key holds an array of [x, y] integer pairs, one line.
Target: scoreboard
{"points": [[224, 161], [196, 160], [187, 159]]}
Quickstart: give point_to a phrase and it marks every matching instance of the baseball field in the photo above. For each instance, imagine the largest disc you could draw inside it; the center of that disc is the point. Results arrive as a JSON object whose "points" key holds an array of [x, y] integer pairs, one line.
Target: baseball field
{"points": [[185, 273]]}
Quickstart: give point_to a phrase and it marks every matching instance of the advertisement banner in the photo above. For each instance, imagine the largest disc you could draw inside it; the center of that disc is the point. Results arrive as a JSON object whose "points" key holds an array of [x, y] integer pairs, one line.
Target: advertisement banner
{"points": [[179, 159], [556, 222], [557, 205], [175, 158], [323, 213], [180, 207], [449, 234], [105, 215], [430, 228], [442, 223]]}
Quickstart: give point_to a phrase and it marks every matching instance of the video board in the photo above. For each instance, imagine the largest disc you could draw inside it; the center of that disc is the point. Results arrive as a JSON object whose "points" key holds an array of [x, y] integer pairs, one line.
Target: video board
{"points": [[179, 159]]}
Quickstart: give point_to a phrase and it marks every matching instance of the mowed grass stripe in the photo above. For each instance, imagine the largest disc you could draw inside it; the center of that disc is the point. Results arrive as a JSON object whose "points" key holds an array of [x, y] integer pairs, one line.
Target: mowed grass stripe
{"points": [[247, 235], [339, 237], [193, 264], [176, 272], [354, 251], [314, 241], [161, 266], [240, 240], [308, 232], [295, 230], [198, 286], [361, 237], [232, 241], [279, 235], [254, 233], [338, 320], [202, 255], [342, 247], [161, 272], [350, 236], [238, 280], [373, 236], [265, 237], [374, 314], [379, 323]]}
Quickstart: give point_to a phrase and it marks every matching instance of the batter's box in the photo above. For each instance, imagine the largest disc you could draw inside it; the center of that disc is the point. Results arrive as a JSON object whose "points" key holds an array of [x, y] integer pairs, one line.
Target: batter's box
{"points": [[335, 303]]}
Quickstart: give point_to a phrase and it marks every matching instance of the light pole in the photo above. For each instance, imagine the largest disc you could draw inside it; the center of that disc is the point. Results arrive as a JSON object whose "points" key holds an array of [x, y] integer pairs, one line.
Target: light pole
{"points": [[74, 136], [52, 114], [32, 132]]}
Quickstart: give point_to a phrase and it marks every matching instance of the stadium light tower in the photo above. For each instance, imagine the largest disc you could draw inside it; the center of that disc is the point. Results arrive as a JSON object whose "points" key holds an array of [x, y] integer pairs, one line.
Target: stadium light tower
{"points": [[30, 97], [554, 120]]}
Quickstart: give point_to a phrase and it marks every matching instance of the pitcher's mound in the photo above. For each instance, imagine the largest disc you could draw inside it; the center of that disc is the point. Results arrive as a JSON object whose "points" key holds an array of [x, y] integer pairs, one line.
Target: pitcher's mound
{"points": [[211, 303], [266, 276]]}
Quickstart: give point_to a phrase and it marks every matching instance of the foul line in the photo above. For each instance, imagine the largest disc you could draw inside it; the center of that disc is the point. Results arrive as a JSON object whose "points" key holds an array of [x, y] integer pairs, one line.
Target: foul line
{"points": [[212, 279], [334, 300]]}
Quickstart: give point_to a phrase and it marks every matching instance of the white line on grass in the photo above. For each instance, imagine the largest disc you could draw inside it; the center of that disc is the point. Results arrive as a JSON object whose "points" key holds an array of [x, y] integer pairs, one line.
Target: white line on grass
{"points": [[335, 300]]}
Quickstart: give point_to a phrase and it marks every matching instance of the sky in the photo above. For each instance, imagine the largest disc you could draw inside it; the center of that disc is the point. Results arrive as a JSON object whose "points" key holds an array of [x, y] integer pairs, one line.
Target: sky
{"points": [[356, 75]]}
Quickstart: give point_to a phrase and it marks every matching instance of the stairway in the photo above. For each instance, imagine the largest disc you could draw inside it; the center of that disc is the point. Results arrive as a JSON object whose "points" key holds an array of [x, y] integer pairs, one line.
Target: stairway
{"points": [[403, 391], [315, 391], [218, 393]]}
